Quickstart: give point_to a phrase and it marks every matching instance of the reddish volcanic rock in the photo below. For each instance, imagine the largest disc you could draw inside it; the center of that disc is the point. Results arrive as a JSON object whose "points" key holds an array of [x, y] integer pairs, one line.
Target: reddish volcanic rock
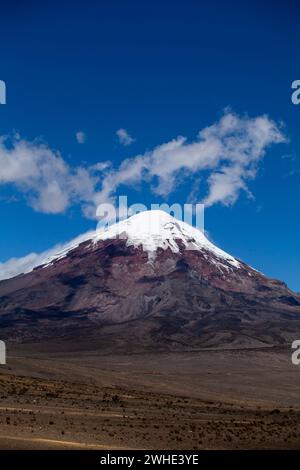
{"points": [[111, 296]]}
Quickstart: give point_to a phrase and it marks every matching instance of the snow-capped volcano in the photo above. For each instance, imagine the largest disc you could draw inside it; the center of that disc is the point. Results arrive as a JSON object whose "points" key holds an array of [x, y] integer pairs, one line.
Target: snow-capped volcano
{"points": [[156, 229], [150, 230], [148, 282]]}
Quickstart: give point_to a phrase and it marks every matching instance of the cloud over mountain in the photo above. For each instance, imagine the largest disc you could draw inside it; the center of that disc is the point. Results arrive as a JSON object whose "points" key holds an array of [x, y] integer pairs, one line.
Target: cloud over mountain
{"points": [[227, 153]]}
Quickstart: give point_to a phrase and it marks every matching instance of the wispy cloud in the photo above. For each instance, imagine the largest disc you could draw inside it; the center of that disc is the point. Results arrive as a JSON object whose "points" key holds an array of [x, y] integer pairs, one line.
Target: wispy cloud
{"points": [[15, 266], [80, 137], [290, 157], [292, 163], [124, 137], [227, 154], [221, 161], [44, 178]]}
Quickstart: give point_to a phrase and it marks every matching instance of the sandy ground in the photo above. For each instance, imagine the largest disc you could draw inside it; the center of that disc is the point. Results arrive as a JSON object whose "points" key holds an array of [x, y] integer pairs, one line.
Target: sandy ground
{"points": [[200, 400]]}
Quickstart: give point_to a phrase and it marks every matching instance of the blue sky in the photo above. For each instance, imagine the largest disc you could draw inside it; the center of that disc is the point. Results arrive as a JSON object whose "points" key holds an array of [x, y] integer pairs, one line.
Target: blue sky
{"points": [[158, 70]]}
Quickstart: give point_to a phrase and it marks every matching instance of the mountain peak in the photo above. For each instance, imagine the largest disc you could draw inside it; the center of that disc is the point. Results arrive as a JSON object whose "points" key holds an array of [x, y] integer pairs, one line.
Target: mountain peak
{"points": [[156, 229], [150, 230]]}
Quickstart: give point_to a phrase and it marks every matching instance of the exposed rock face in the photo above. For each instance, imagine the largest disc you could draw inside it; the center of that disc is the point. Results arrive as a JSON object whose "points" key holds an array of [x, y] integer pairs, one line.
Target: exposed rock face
{"points": [[110, 294]]}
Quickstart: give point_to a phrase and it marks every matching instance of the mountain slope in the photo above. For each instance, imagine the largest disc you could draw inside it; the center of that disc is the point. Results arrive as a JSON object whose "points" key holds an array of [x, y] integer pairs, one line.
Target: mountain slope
{"points": [[159, 284]]}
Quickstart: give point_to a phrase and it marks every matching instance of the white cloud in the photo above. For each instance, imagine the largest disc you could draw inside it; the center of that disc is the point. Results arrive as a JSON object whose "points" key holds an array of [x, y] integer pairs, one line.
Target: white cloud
{"points": [[46, 181], [227, 153], [15, 266], [220, 161], [124, 137], [80, 137]]}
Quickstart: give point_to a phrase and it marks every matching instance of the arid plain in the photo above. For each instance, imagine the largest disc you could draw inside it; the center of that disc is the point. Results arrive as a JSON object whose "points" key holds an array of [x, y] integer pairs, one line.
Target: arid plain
{"points": [[231, 399]]}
